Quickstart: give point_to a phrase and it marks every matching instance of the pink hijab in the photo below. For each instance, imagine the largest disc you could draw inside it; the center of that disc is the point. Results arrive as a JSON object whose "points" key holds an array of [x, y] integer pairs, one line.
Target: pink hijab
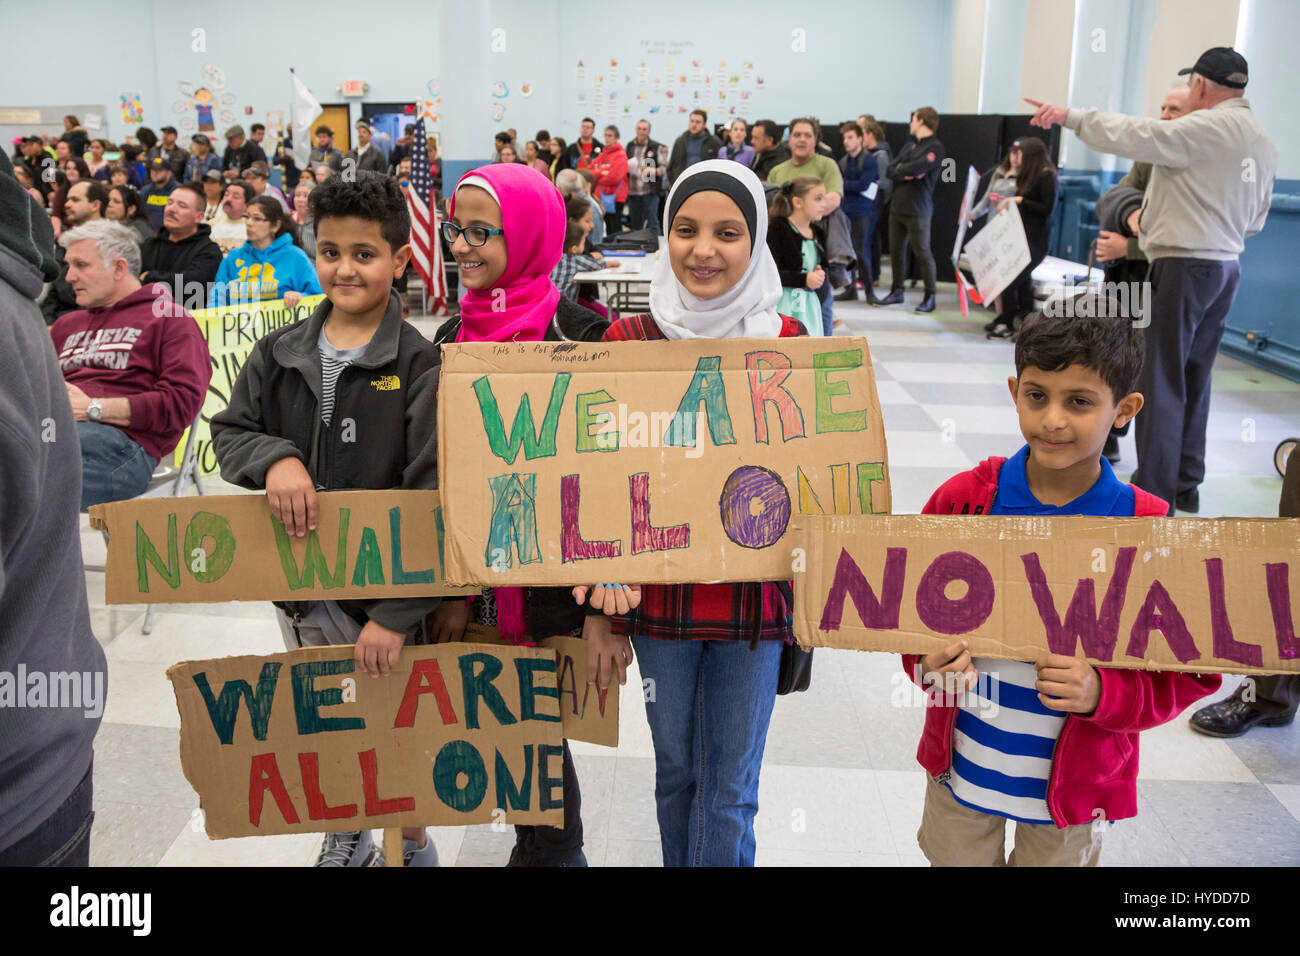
{"points": [[532, 218]]}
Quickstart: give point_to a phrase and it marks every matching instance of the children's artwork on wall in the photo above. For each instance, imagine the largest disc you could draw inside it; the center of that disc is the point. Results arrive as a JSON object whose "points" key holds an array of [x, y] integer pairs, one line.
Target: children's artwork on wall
{"points": [[227, 116], [180, 106], [500, 90], [526, 90], [227, 99], [188, 124], [203, 102], [132, 109], [581, 73], [214, 77], [498, 111]]}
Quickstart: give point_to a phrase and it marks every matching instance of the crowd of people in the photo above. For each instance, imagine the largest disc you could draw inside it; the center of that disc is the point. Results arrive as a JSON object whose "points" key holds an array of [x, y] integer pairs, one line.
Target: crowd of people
{"points": [[756, 229]]}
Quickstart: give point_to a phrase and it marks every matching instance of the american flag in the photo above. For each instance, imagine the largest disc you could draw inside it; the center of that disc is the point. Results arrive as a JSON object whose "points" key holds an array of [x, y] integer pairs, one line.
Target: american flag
{"points": [[426, 247]]}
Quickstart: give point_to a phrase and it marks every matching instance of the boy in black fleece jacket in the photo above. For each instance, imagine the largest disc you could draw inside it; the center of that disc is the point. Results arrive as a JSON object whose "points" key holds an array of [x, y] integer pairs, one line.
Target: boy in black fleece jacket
{"points": [[307, 414]]}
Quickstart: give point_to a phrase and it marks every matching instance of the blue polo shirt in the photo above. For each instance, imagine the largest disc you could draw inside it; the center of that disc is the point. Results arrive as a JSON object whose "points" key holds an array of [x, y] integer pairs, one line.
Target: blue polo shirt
{"points": [[1108, 498], [1004, 737]]}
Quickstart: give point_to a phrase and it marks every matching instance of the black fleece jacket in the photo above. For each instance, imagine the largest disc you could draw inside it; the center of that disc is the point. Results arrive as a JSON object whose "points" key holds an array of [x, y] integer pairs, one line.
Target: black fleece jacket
{"points": [[274, 413], [195, 259]]}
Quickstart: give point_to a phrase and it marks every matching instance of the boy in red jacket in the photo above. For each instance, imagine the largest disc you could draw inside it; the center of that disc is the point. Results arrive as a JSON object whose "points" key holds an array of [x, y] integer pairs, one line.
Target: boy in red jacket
{"points": [[1052, 744]]}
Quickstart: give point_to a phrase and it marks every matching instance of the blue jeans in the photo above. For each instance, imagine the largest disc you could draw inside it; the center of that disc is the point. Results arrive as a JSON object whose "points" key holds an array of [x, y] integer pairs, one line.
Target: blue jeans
{"points": [[113, 467], [64, 838], [643, 212], [827, 298], [712, 702]]}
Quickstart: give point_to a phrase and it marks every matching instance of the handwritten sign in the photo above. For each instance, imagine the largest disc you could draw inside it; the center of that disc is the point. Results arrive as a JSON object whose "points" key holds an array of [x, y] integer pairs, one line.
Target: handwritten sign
{"points": [[568, 463], [300, 742], [588, 713], [1202, 595], [367, 544], [231, 333], [998, 253]]}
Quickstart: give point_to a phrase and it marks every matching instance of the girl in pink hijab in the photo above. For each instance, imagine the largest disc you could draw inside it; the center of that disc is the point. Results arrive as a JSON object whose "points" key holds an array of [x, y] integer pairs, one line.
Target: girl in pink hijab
{"points": [[506, 232]]}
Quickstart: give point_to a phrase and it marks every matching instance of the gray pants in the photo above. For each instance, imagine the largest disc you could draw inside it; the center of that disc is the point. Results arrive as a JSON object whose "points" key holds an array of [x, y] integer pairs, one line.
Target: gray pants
{"points": [[916, 230], [326, 623], [1189, 306]]}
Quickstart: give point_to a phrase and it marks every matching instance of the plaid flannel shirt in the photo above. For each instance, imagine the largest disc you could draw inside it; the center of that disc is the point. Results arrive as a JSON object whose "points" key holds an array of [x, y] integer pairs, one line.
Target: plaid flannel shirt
{"points": [[751, 611], [568, 267]]}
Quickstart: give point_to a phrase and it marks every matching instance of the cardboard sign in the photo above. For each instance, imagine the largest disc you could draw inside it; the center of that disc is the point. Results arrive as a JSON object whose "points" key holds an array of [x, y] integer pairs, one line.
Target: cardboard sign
{"points": [[670, 462], [589, 714], [367, 544], [999, 252], [967, 203], [302, 743], [1203, 595], [231, 332]]}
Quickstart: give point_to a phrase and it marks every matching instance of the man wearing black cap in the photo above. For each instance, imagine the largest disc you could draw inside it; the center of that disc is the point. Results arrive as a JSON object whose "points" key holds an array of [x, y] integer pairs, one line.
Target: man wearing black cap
{"points": [[325, 152], [161, 185], [1211, 184], [240, 153], [169, 152]]}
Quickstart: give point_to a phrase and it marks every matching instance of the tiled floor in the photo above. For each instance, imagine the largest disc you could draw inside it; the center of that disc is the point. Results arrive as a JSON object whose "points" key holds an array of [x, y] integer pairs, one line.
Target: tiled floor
{"points": [[840, 782]]}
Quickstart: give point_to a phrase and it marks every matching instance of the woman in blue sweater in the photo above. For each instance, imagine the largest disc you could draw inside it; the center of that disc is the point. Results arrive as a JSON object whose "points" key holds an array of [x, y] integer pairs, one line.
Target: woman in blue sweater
{"points": [[269, 265]]}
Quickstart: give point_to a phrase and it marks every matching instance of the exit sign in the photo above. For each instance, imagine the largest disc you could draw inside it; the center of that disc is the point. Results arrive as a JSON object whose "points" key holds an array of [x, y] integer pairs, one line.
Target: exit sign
{"points": [[353, 88]]}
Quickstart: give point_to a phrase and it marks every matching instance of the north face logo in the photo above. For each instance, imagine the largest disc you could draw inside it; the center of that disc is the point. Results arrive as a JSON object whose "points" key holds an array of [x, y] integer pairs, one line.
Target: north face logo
{"points": [[386, 383]]}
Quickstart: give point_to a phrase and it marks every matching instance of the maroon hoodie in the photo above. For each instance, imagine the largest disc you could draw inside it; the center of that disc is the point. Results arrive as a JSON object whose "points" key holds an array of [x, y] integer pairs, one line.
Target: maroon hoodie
{"points": [[1095, 765], [145, 348]]}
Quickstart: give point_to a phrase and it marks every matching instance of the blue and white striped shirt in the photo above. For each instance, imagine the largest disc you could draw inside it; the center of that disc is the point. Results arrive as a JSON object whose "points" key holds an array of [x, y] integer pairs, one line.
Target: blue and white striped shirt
{"points": [[1004, 737]]}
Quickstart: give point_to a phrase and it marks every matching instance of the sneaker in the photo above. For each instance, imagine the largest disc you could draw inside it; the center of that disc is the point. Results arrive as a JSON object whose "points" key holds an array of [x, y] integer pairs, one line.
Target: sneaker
{"points": [[999, 331], [345, 849], [412, 853]]}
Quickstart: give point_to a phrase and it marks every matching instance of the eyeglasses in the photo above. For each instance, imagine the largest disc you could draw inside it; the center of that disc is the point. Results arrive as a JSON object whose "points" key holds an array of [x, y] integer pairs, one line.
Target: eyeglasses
{"points": [[474, 235]]}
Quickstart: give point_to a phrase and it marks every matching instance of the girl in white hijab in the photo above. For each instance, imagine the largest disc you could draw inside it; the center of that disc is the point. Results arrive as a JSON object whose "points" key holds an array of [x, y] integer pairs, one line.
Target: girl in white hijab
{"points": [[683, 306], [712, 650]]}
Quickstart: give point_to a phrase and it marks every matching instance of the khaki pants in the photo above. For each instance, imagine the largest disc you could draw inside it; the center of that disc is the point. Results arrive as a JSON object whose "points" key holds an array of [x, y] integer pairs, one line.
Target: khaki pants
{"points": [[954, 835]]}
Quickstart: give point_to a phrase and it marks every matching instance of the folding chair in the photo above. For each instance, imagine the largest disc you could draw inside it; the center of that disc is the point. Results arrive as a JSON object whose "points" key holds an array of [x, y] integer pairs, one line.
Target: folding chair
{"points": [[175, 477]]}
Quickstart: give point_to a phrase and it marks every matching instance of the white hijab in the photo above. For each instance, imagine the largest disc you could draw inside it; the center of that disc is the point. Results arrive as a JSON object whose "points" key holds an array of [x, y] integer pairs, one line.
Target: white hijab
{"points": [[747, 309]]}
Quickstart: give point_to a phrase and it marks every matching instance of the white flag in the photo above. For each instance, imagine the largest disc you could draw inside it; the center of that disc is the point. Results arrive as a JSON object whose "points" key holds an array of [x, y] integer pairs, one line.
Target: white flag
{"points": [[303, 111]]}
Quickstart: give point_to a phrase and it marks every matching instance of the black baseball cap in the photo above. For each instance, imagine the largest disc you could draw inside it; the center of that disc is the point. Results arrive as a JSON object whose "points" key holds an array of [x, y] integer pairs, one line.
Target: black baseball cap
{"points": [[1223, 65]]}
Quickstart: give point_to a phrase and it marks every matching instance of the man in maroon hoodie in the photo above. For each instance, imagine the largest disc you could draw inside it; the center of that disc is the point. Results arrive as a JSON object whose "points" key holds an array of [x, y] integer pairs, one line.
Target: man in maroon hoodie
{"points": [[135, 364]]}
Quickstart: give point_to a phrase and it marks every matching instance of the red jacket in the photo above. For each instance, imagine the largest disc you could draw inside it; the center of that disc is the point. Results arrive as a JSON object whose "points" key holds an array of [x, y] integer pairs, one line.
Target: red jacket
{"points": [[610, 170], [145, 348], [1095, 765]]}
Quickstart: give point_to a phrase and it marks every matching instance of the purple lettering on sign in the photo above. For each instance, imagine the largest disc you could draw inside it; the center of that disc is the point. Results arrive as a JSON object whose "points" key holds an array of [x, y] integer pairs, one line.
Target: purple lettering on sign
{"points": [[1279, 600], [1097, 633], [1160, 613], [755, 507], [572, 545], [850, 582], [1224, 644], [945, 615]]}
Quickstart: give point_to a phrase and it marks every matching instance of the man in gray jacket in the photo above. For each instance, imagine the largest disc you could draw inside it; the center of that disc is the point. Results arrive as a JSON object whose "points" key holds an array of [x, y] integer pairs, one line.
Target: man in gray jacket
{"points": [[52, 673], [1211, 184]]}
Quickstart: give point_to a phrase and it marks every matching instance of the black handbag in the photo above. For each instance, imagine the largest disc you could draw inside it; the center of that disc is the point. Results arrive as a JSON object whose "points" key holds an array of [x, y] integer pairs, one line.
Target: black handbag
{"points": [[795, 673], [796, 669]]}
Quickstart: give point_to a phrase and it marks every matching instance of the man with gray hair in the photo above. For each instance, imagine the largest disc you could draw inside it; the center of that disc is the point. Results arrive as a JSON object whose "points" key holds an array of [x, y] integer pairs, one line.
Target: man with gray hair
{"points": [[1211, 185], [45, 751], [134, 363]]}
